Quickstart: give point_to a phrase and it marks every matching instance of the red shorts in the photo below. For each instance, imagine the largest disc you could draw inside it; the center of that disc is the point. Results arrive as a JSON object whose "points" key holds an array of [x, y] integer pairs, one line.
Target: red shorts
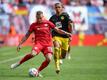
{"points": [[41, 48]]}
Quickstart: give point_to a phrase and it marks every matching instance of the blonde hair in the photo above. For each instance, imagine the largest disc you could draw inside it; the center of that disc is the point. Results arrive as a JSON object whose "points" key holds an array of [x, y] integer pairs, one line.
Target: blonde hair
{"points": [[39, 12]]}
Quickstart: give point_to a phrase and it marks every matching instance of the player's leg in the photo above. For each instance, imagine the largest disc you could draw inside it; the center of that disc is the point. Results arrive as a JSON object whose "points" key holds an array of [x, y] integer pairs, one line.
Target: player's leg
{"points": [[36, 49], [65, 46], [60, 56], [63, 53], [57, 55], [28, 56], [25, 58], [68, 56], [47, 60], [47, 51]]}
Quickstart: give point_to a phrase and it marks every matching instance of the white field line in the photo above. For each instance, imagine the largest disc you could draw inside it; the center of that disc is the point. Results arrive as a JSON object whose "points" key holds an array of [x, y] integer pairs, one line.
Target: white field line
{"points": [[8, 60], [6, 49]]}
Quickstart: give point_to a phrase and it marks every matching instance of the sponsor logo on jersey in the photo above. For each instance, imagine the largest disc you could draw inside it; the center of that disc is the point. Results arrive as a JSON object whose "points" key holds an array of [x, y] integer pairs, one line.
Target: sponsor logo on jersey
{"points": [[42, 28], [58, 24]]}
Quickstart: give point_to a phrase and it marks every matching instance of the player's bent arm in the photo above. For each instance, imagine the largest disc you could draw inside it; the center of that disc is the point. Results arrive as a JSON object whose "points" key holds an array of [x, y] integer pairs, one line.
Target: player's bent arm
{"points": [[23, 40], [62, 31], [25, 37], [70, 27]]}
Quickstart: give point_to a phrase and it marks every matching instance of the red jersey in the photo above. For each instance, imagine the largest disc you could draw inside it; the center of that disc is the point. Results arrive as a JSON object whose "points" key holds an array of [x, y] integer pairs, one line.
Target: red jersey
{"points": [[42, 32]]}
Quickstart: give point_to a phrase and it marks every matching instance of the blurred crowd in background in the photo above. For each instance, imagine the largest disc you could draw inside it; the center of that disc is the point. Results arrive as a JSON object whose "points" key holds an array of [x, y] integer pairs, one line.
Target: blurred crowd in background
{"points": [[14, 13], [89, 16], [51, 2]]}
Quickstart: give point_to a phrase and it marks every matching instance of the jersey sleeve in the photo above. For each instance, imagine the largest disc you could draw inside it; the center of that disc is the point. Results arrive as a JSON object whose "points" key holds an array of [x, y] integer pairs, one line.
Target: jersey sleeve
{"points": [[51, 25], [68, 17], [31, 27]]}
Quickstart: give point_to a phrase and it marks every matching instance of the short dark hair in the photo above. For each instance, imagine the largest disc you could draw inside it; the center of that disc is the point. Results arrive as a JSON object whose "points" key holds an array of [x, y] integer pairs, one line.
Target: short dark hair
{"points": [[59, 4], [39, 12]]}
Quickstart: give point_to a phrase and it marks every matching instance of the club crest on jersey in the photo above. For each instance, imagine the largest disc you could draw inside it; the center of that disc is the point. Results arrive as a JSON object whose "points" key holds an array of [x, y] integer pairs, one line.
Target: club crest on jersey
{"points": [[62, 18]]}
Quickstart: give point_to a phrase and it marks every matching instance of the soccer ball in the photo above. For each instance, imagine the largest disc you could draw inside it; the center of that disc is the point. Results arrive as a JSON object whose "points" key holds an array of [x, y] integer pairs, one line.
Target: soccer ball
{"points": [[33, 72]]}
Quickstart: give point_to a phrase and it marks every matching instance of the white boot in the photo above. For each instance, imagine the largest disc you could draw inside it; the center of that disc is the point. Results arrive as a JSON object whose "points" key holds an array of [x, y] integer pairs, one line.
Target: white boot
{"points": [[38, 74], [14, 65], [68, 56], [61, 62]]}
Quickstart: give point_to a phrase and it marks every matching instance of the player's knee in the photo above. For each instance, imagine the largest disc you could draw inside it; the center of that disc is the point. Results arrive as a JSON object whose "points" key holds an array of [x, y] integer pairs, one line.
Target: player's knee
{"points": [[48, 60], [56, 48], [34, 53], [49, 57], [56, 44]]}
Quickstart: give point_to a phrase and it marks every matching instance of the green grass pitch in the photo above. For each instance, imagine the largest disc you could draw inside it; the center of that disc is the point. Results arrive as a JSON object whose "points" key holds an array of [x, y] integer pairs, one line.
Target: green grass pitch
{"points": [[87, 63]]}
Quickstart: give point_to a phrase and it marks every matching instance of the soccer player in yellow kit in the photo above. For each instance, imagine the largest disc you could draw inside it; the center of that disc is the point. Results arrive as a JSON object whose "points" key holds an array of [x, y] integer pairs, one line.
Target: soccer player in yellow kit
{"points": [[61, 42]]}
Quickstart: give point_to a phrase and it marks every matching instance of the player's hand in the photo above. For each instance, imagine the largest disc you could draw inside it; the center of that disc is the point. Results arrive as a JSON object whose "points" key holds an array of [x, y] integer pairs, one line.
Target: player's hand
{"points": [[69, 34], [18, 48], [70, 39]]}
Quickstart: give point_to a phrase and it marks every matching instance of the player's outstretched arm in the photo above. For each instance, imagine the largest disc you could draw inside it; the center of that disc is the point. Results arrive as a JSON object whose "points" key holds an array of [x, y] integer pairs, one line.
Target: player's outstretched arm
{"points": [[70, 28], [62, 32], [23, 40]]}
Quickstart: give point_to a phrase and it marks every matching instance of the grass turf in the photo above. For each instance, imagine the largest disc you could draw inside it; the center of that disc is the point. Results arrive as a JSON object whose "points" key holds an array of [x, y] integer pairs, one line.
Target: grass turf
{"points": [[87, 63]]}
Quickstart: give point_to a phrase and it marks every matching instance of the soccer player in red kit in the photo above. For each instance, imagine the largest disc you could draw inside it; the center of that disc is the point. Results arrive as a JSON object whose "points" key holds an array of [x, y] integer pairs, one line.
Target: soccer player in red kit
{"points": [[43, 41]]}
